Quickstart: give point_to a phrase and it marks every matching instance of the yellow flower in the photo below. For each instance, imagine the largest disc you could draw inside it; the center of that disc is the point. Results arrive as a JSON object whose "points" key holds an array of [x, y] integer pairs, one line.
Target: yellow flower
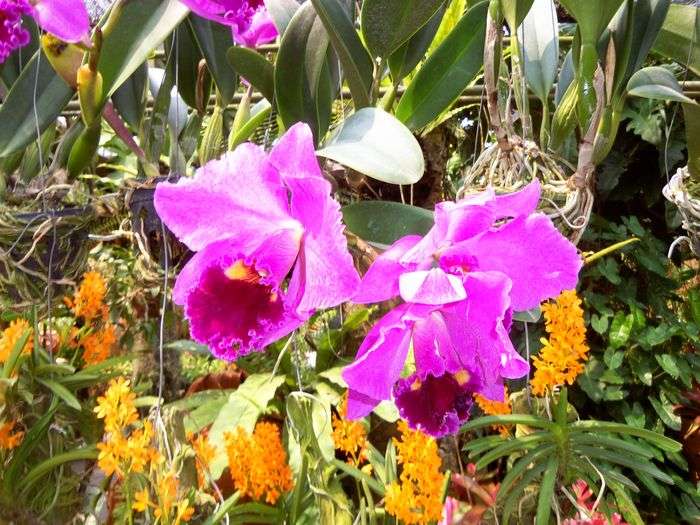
{"points": [[417, 498], [561, 359], [88, 300], [204, 453], [496, 408], [11, 336], [350, 437], [184, 511], [117, 407], [142, 500], [8, 438], [258, 463], [112, 454], [138, 448], [97, 345]]}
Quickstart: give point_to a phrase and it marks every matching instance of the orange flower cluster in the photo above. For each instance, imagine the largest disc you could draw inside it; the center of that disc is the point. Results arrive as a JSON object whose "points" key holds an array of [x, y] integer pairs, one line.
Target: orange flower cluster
{"points": [[10, 439], [349, 437], [88, 303], [204, 453], [417, 499], [168, 508], [126, 450], [561, 359], [258, 463], [11, 336], [496, 408]]}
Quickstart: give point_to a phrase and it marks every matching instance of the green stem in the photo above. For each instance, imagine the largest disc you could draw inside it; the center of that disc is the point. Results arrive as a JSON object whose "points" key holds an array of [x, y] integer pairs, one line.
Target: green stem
{"points": [[389, 98], [296, 500], [520, 87], [544, 126]]}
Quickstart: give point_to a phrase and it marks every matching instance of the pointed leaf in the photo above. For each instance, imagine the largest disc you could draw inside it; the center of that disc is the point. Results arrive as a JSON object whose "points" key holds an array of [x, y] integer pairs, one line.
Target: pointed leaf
{"points": [[281, 12], [405, 59], [656, 82], [384, 223], [539, 37], [676, 39], [515, 12], [592, 16], [214, 40], [254, 68]]}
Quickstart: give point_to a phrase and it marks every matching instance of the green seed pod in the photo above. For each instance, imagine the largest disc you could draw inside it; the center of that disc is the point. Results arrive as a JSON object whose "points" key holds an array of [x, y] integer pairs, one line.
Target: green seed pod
{"points": [[83, 151]]}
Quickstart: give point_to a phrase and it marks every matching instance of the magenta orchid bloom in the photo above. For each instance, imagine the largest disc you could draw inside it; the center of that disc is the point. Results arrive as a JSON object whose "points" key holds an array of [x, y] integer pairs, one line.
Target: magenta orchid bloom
{"points": [[68, 20], [249, 20], [269, 242], [486, 256]]}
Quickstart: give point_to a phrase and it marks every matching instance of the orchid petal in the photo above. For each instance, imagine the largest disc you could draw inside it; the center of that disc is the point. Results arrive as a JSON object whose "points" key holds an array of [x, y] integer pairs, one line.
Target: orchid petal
{"points": [[66, 19], [433, 287], [523, 202]]}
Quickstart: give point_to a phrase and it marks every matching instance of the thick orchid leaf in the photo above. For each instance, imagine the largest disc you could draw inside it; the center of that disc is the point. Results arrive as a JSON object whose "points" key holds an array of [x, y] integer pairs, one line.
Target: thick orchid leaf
{"points": [[214, 40], [405, 59], [132, 31], [254, 68], [656, 83], [450, 69], [592, 16], [692, 131], [539, 37], [678, 38], [183, 58], [375, 144], [383, 223], [19, 113], [388, 24], [130, 97], [649, 16], [356, 62], [453, 14], [281, 12], [515, 12]]}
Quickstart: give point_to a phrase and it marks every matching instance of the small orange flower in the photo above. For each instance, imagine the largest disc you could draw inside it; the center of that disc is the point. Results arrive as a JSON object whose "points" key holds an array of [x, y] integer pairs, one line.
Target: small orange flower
{"points": [[349, 437], [12, 335], [204, 453], [142, 500], [117, 407], [88, 301], [417, 498], [258, 463], [98, 344], [561, 359], [8, 438], [496, 408]]}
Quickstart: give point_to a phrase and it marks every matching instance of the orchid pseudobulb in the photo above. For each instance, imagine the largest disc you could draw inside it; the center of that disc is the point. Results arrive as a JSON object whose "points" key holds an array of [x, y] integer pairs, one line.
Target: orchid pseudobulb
{"points": [[269, 241], [68, 20], [485, 257]]}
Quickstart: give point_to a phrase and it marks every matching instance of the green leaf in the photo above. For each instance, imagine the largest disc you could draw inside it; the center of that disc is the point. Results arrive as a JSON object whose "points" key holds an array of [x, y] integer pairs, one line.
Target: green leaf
{"points": [[592, 16], [298, 69], [384, 223], [656, 439], [515, 11], [531, 316], [243, 409], [18, 108], [62, 392], [183, 57], [9, 366], [130, 97], [387, 24], [669, 364], [405, 59], [46, 466], [664, 409], [620, 330], [356, 62], [611, 443], [450, 69], [625, 504], [656, 82], [539, 37], [508, 419], [512, 445], [359, 476], [624, 460], [224, 509], [375, 144], [453, 14], [692, 131], [523, 463], [255, 68], [259, 114], [132, 31], [282, 12], [544, 501], [676, 39], [214, 40]]}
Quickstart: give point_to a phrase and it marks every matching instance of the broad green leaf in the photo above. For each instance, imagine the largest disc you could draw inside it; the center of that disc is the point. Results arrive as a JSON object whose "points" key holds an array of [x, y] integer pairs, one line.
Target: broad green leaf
{"points": [[692, 132], [183, 57], [515, 11], [384, 223], [664, 409], [539, 38], [453, 14], [375, 144], [243, 409], [298, 69], [388, 24], [130, 97], [214, 40], [656, 82], [17, 112], [356, 62], [255, 68], [669, 364], [282, 12], [132, 31], [405, 59], [46, 466], [620, 330], [677, 39], [592, 16], [450, 69]]}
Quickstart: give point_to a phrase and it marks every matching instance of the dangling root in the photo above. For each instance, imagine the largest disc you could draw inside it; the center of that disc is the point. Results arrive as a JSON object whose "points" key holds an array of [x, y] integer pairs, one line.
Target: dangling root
{"points": [[680, 192]]}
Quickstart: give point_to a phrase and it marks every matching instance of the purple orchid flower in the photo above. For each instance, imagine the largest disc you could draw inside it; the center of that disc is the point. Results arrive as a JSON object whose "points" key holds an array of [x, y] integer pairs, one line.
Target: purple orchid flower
{"points": [[250, 22], [68, 20], [486, 256], [269, 242]]}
